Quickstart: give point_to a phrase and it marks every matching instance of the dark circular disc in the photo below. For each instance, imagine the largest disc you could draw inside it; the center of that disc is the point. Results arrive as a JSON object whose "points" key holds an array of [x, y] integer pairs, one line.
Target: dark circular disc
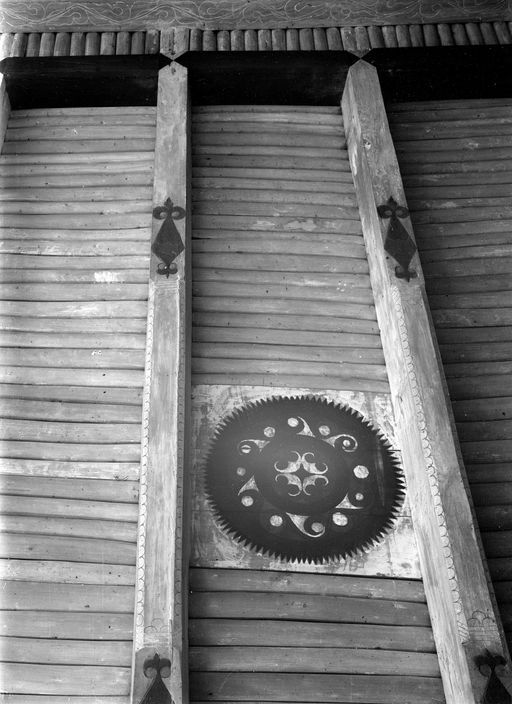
{"points": [[302, 478]]}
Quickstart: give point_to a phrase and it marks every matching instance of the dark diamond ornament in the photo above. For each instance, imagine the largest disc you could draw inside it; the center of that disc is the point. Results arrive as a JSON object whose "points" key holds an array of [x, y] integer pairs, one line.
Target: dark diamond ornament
{"points": [[398, 243], [302, 479]]}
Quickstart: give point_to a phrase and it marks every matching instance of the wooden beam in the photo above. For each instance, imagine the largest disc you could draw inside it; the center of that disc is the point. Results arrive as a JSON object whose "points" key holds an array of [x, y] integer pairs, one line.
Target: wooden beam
{"points": [[5, 110], [462, 609], [161, 606], [84, 15]]}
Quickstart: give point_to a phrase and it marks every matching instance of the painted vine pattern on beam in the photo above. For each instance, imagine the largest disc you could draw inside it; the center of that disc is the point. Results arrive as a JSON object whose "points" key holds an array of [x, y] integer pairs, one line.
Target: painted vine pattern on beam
{"points": [[55, 15]]}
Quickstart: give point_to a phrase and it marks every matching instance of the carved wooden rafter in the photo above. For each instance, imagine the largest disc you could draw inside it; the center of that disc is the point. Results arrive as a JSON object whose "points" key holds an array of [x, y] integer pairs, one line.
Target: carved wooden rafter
{"points": [[115, 15]]}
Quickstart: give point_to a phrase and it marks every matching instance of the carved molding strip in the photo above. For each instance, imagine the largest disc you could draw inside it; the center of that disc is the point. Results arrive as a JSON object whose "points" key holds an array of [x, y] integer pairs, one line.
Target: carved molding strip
{"points": [[62, 15]]}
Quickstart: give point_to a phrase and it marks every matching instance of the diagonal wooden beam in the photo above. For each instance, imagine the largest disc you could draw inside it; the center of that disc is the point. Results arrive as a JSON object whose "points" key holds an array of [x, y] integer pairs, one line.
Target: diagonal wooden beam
{"points": [[461, 605], [160, 640]]}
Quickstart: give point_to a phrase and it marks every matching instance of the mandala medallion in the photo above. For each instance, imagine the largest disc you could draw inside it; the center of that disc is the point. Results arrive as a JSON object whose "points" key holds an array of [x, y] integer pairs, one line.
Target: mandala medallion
{"points": [[302, 478]]}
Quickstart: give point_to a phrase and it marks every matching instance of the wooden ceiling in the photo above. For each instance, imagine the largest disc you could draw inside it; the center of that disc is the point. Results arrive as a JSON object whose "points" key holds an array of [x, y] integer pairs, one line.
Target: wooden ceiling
{"points": [[131, 15]]}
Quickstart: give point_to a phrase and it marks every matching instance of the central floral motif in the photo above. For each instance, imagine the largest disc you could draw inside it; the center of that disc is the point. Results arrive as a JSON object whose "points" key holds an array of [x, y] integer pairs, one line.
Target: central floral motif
{"points": [[301, 474], [302, 478]]}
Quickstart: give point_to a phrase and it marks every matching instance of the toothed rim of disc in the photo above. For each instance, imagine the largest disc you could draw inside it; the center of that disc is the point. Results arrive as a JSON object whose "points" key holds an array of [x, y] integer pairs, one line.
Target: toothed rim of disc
{"points": [[350, 517]]}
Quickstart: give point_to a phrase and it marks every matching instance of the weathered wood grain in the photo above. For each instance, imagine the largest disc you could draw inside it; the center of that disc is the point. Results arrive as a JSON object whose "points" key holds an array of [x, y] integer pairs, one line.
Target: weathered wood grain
{"points": [[67, 679], [70, 412], [419, 400], [66, 597], [315, 660], [66, 652], [73, 527], [234, 632], [33, 547], [302, 583], [314, 688], [79, 626], [119, 471], [308, 607], [66, 572], [89, 489]]}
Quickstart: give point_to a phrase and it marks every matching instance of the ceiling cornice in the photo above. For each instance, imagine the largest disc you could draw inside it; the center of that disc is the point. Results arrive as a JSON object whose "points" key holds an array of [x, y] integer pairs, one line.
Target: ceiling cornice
{"points": [[131, 15]]}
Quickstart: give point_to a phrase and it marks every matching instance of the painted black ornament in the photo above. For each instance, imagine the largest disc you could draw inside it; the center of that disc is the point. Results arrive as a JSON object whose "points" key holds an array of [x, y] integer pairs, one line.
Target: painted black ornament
{"points": [[302, 478]]}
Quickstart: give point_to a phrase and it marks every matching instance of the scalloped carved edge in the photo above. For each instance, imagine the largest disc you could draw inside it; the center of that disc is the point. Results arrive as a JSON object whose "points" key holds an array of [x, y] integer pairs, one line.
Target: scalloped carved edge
{"points": [[45, 15], [432, 473], [138, 636]]}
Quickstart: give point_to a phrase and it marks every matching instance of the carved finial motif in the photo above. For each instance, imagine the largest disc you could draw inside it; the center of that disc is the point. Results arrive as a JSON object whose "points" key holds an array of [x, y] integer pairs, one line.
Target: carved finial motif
{"points": [[168, 243], [398, 243], [157, 693], [495, 692]]}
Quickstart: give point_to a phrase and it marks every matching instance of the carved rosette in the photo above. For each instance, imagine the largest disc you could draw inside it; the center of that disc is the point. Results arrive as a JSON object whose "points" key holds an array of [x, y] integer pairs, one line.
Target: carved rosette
{"points": [[302, 478]]}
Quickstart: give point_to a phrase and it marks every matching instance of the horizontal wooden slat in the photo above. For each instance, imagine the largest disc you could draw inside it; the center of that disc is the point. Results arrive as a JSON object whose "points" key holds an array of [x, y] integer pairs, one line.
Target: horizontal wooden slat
{"points": [[66, 572], [88, 489], [266, 221], [44, 132], [104, 275], [80, 309], [285, 322], [350, 246], [483, 409], [23, 178], [66, 679], [10, 209], [339, 173], [305, 583], [70, 412], [122, 471], [103, 147], [283, 306], [54, 431], [66, 652], [84, 377], [71, 508], [78, 394], [320, 294], [233, 632], [202, 196], [277, 210], [498, 429], [72, 527], [74, 292], [304, 279], [310, 608], [46, 596], [291, 380], [68, 195], [80, 626], [280, 337], [364, 689], [76, 248], [342, 370], [134, 160], [64, 699], [497, 544], [73, 340], [282, 180], [69, 549], [315, 660], [329, 355], [72, 358], [72, 325], [80, 221]]}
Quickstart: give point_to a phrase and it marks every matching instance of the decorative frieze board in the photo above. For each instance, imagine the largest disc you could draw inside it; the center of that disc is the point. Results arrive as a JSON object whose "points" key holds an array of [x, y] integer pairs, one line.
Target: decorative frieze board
{"points": [[175, 41], [67, 15]]}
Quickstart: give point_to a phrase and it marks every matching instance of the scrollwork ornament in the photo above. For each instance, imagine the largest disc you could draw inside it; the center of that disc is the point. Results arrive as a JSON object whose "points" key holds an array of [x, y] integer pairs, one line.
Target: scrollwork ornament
{"points": [[302, 478]]}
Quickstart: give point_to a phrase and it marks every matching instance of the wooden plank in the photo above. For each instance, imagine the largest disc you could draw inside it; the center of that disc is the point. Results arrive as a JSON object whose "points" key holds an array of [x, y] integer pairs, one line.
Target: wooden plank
{"points": [[90, 489], [266, 209], [233, 632], [70, 208], [66, 652], [83, 377], [76, 276], [72, 527], [285, 306], [494, 386], [453, 574], [213, 686], [80, 626], [74, 162], [66, 572], [120, 471], [45, 596], [73, 340], [81, 221], [279, 337], [65, 507], [33, 547], [292, 381], [81, 309], [492, 494], [71, 412], [79, 394], [315, 660], [304, 279], [303, 583], [86, 146], [340, 370], [482, 409], [68, 452], [66, 196], [217, 199], [5, 110], [252, 351], [251, 291], [285, 322], [350, 246], [74, 292], [228, 182], [283, 223], [161, 596], [73, 358], [208, 173], [296, 607], [494, 351], [74, 325], [28, 178], [66, 679], [78, 131], [269, 262]]}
